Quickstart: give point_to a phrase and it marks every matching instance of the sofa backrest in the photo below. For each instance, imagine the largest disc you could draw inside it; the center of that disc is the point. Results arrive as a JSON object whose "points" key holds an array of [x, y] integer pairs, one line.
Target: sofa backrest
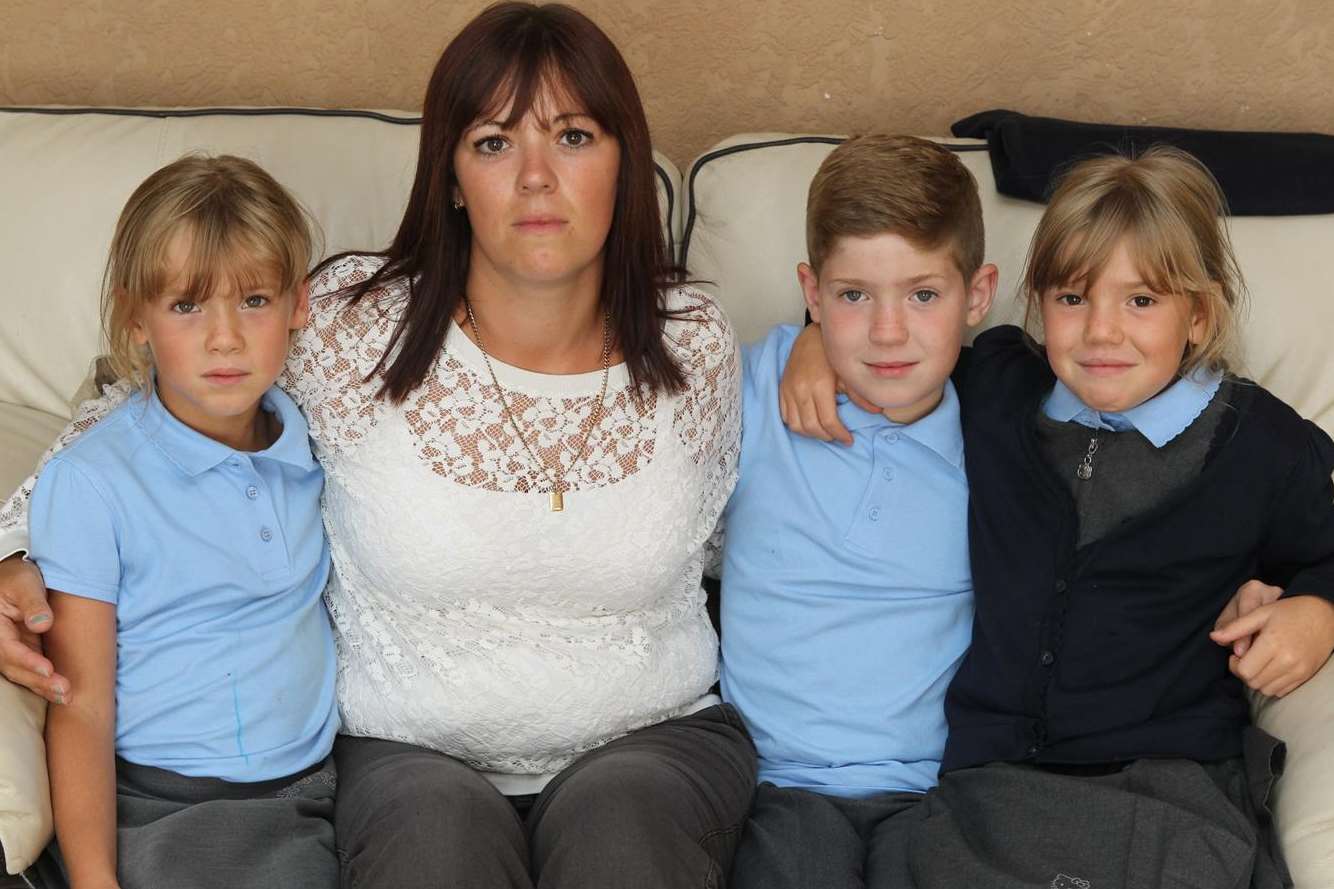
{"points": [[744, 234], [65, 173]]}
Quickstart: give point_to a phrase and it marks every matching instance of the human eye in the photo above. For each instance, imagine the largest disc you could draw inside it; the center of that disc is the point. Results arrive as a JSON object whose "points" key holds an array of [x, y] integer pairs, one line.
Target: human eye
{"points": [[574, 137], [1067, 298], [923, 296], [255, 301], [1142, 300], [853, 296], [492, 143], [183, 307]]}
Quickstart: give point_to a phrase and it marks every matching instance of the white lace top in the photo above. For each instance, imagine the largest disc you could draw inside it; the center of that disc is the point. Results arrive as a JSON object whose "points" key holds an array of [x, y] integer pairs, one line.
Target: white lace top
{"points": [[469, 617]]}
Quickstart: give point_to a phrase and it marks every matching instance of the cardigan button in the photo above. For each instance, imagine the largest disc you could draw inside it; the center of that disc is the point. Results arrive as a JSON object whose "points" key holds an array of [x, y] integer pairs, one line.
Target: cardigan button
{"points": [[1047, 659], [1060, 586], [1032, 751]]}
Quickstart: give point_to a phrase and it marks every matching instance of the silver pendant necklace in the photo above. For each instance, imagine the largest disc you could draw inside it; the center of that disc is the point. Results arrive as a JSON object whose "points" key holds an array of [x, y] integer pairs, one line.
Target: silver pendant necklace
{"points": [[1085, 470]]}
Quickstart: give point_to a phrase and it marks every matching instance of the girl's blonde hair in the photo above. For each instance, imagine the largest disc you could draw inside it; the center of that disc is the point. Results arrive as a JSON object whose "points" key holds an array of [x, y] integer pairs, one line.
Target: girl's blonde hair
{"points": [[239, 224], [1173, 212]]}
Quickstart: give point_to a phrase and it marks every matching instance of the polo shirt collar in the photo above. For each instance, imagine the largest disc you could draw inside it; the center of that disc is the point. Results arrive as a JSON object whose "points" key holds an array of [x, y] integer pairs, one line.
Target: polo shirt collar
{"points": [[1160, 419], [938, 430], [196, 453]]}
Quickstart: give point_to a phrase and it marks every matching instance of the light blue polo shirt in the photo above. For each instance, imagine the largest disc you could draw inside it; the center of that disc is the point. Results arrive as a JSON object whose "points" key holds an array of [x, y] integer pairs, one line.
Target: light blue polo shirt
{"points": [[1159, 419], [216, 561], [847, 599]]}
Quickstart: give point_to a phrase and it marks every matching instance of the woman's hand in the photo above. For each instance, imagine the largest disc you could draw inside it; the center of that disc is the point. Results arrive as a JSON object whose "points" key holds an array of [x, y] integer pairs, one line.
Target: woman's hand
{"points": [[806, 393], [24, 616]]}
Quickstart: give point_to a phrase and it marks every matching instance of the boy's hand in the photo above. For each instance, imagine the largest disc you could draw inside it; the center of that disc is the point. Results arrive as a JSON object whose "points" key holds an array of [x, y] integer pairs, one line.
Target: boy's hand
{"points": [[806, 393], [24, 613], [1250, 596], [1291, 639]]}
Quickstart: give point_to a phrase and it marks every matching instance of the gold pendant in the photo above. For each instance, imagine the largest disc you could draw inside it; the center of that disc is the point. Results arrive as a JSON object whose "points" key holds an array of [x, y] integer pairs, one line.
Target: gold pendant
{"points": [[557, 501]]}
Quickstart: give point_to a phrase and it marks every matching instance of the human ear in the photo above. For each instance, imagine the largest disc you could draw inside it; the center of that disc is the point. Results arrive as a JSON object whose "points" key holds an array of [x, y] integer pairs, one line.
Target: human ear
{"points": [[810, 289], [138, 333], [1201, 315], [300, 305], [981, 292]]}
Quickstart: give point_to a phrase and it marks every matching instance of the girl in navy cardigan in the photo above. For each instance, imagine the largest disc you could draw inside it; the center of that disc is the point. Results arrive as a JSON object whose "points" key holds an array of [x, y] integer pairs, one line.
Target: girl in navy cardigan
{"points": [[1123, 487]]}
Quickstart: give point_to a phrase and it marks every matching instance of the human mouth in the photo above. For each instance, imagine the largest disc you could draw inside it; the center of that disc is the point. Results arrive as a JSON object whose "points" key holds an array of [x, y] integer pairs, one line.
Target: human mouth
{"points": [[1100, 368], [226, 376], [540, 224], [890, 369]]}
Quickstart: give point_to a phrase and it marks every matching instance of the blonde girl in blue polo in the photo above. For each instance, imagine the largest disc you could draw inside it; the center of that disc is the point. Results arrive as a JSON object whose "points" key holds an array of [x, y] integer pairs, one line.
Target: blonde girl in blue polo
{"points": [[182, 544]]}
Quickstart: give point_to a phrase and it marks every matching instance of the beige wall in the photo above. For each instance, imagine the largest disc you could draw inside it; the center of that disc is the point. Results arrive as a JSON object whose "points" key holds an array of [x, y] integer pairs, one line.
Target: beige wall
{"points": [[710, 68]]}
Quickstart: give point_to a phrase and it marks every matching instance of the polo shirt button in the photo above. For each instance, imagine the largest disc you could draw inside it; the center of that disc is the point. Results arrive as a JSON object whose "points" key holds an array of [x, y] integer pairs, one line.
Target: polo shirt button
{"points": [[265, 534], [252, 492], [1047, 659], [874, 513], [1060, 586], [888, 473], [234, 463], [892, 437]]}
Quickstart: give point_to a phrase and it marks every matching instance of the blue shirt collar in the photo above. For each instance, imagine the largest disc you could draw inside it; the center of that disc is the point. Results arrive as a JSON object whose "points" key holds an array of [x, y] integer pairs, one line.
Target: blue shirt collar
{"points": [[939, 430], [196, 453], [1160, 419]]}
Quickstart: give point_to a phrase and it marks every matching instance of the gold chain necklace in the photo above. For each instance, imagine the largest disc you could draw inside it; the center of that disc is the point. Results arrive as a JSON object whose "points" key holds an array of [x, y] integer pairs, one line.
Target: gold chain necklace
{"points": [[558, 484]]}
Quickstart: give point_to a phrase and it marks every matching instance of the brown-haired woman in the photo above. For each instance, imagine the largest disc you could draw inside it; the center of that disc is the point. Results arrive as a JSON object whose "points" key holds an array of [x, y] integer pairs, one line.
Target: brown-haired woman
{"points": [[529, 432]]}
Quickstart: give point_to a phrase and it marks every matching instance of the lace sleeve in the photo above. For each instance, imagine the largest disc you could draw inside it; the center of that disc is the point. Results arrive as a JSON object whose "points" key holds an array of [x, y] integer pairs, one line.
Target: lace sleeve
{"points": [[332, 356], [14, 512], [708, 416], [713, 552]]}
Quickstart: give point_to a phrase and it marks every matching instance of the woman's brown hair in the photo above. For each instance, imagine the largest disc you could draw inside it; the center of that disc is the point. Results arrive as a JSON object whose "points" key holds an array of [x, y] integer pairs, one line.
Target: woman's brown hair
{"points": [[517, 51]]}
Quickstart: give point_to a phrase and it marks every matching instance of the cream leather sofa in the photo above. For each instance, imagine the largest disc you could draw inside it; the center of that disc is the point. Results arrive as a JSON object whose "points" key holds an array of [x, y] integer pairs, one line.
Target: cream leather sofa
{"points": [[736, 220]]}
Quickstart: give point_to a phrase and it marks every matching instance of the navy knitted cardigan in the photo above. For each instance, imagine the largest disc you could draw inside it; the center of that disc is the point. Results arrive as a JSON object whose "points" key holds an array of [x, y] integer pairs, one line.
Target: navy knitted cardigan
{"points": [[1101, 654]]}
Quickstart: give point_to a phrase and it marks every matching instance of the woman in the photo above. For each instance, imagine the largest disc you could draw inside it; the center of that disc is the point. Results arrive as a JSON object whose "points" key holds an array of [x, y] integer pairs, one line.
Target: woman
{"points": [[528, 434]]}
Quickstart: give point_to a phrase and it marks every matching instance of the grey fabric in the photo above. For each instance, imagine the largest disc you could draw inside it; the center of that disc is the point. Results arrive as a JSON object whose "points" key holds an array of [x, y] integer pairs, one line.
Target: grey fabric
{"points": [[660, 808], [1152, 824], [798, 839], [205, 833], [1130, 476]]}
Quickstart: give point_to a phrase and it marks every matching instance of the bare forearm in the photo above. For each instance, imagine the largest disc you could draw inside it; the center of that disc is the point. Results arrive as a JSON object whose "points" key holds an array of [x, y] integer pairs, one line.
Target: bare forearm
{"points": [[81, 739], [80, 751]]}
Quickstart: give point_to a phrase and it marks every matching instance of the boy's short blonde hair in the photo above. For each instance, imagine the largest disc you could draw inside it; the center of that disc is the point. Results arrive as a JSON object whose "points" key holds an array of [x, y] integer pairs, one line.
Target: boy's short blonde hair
{"points": [[1172, 210], [239, 224], [899, 185]]}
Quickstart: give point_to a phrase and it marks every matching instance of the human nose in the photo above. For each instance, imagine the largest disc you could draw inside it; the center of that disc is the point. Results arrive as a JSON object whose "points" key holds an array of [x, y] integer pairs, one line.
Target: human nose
{"points": [[1103, 325], [888, 326], [535, 172], [224, 332]]}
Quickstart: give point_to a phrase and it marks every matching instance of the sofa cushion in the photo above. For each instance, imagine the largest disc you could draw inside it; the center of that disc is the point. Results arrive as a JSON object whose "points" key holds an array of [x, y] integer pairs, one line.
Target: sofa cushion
{"points": [[1304, 803], [25, 797]]}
